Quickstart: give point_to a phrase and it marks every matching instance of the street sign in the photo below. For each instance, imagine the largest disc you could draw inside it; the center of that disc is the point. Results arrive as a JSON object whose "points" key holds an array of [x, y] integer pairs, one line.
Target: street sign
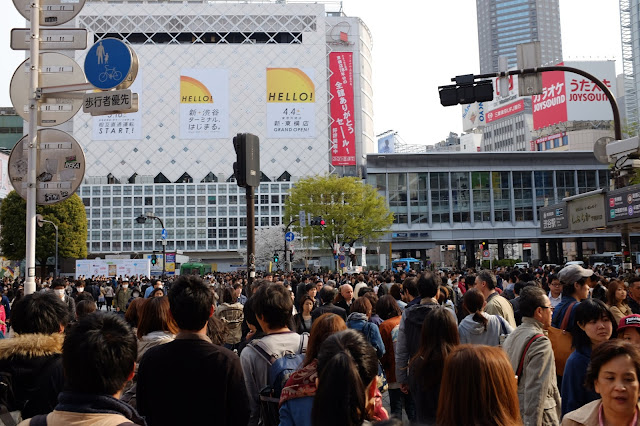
{"points": [[110, 102], [486, 254], [59, 167], [56, 69], [52, 12], [164, 234], [109, 62], [341, 249], [289, 236], [50, 39], [302, 216], [529, 56]]}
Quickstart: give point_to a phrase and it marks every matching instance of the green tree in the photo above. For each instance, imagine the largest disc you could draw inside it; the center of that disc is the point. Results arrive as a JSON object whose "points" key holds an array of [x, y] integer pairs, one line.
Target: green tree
{"points": [[68, 215], [353, 211]]}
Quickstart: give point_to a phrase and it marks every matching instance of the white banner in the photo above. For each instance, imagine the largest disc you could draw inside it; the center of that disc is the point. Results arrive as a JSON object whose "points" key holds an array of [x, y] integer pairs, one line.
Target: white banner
{"points": [[204, 104], [120, 127], [291, 107], [585, 100], [113, 267]]}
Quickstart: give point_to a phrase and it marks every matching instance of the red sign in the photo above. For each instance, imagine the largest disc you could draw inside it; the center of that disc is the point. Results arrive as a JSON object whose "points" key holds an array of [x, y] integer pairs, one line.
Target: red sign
{"points": [[550, 138], [505, 111], [343, 137], [551, 106]]}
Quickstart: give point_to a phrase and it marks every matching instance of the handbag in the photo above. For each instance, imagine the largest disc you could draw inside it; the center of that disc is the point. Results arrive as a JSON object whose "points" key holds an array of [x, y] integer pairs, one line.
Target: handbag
{"points": [[561, 341]]}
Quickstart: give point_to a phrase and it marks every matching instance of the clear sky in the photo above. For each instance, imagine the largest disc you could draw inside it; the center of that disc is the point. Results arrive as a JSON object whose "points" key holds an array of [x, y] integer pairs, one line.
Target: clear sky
{"points": [[418, 46]]}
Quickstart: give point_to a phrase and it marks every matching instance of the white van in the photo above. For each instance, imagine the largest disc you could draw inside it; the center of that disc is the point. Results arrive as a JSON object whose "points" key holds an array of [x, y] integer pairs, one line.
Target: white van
{"points": [[522, 265]]}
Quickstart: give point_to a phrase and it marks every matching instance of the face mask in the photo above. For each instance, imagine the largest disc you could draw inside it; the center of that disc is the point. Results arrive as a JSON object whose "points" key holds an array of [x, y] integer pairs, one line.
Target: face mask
{"points": [[60, 293], [80, 289], [125, 286], [160, 286]]}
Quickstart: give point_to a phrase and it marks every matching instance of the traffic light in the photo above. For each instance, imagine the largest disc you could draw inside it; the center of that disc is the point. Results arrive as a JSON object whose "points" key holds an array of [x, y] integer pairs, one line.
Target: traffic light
{"points": [[154, 259], [275, 257], [247, 166], [466, 91], [318, 221]]}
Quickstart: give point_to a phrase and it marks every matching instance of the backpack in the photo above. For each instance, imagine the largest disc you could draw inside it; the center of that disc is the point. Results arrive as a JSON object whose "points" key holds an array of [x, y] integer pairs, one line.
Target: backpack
{"points": [[10, 414], [281, 368], [233, 317]]}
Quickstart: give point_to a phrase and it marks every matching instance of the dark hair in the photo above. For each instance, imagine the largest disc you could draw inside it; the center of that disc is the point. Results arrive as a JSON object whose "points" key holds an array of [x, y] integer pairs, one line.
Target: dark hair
{"points": [[191, 302], [39, 313], [346, 367], [84, 308], [373, 298], [132, 316], [612, 288], [327, 293], [308, 287], [274, 304], [362, 305], [155, 316], [473, 300], [216, 330], [410, 286], [438, 337], [304, 299], [482, 376], [607, 351], [249, 313], [589, 310], [531, 298], [157, 290], [395, 291], [469, 281], [570, 289], [428, 284], [228, 295], [99, 354], [489, 278], [58, 282], [324, 326], [387, 307]]}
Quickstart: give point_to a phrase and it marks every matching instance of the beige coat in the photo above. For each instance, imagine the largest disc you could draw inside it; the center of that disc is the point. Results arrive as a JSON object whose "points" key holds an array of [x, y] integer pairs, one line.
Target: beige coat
{"points": [[587, 415], [66, 418], [620, 312]]}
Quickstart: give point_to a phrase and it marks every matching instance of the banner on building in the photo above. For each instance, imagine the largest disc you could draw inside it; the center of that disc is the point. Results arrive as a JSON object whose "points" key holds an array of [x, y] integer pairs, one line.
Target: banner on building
{"points": [[5, 183], [343, 135], [386, 145], [120, 127], [204, 104], [505, 111], [291, 103], [113, 267], [473, 116]]}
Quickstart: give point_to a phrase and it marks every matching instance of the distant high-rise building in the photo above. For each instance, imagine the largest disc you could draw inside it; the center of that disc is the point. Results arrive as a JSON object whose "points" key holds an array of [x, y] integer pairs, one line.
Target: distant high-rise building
{"points": [[630, 35], [503, 24]]}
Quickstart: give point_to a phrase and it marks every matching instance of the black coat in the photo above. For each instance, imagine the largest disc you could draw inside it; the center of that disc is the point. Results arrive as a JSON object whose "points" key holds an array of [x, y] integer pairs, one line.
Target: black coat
{"points": [[330, 308]]}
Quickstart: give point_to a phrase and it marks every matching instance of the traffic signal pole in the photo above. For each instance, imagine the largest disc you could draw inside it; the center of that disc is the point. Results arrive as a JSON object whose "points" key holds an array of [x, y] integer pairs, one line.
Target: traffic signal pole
{"points": [[251, 235]]}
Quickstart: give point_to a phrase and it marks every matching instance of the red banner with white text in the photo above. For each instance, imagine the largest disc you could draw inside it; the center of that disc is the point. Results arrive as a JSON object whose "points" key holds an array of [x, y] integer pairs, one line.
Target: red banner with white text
{"points": [[343, 135]]}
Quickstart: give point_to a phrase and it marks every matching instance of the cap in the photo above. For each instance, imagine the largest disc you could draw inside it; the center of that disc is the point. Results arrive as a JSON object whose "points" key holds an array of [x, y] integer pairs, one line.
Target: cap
{"points": [[629, 321], [572, 273]]}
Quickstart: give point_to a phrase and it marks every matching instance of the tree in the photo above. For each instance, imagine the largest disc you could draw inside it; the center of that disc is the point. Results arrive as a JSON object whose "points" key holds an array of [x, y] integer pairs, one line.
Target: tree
{"points": [[268, 241], [353, 210], [68, 215]]}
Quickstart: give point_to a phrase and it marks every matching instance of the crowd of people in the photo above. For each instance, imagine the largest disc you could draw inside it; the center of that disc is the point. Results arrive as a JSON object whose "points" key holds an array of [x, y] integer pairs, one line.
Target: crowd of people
{"points": [[504, 347]]}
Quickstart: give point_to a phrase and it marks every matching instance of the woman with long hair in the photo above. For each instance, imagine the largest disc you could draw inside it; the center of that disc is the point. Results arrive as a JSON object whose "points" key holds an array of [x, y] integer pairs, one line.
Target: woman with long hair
{"points": [[616, 299], [439, 336], [302, 319], [347, 369], [296, 399], [478, 388], [594, 325], [479, 327], [358, 320]]}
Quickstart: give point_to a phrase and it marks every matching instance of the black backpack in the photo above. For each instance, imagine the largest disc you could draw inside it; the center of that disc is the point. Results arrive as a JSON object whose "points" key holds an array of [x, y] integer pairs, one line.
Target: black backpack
{"points": [[10, 408]]}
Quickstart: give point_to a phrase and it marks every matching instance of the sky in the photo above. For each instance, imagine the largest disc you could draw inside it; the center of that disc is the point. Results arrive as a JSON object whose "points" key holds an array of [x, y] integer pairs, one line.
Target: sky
{"points": [[418, 46]]}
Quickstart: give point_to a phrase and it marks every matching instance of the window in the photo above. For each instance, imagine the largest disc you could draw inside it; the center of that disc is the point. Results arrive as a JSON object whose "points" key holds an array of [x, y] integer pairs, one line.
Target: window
{"points": [[501, 196], [523, 196], [544, 188], [439, 183], [460, 196], [565, 180], [398, 197], [481, 196], [418, 196]]}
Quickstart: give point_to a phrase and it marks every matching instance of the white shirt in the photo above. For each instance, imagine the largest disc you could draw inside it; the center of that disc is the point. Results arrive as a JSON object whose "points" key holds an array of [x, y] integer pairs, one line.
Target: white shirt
{"points": [[555, 300]]}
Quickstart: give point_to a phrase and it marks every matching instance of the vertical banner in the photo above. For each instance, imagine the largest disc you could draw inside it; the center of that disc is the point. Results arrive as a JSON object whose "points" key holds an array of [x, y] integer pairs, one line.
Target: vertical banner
{"points": [[204, 104], [291, 103], [343, 138], [120, 127], [550, 107]]}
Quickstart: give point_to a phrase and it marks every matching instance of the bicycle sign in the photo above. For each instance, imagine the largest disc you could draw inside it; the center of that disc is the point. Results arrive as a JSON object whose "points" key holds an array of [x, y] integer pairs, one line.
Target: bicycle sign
{"points": [[108, 64]]}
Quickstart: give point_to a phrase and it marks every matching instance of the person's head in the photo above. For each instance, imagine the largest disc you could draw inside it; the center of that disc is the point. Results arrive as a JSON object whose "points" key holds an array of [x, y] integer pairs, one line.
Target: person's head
{"points": [[346, 291], [629, 329], [324, 326], [307, 304], [327, 293], [474, 302], [428, 285], [387, 307], [157, 292], [634, 288], [394, 291], [155, 315], [273, 306], [555, 286], [534, 303], [347, 370], [99, 354], [228, 296], [80, 287], [216, 330], [42, 313], [249, 313], [237, 290], [482, 376], [84, 308], [594, 323], [574, 281], [310, 290], [616, 293], [362, 305], [132, 316], [485, 282], [58, 287], [410, 288], [613, 372], [191, 302]]}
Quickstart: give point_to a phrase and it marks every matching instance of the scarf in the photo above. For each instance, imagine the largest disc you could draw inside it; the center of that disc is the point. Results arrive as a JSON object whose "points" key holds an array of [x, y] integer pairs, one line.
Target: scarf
{"points": [[301, 383], [76, 402]]}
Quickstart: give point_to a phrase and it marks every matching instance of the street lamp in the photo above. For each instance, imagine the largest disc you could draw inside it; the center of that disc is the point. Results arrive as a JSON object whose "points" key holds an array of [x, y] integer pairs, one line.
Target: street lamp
{"points": [[41, 221], [143, 219]]}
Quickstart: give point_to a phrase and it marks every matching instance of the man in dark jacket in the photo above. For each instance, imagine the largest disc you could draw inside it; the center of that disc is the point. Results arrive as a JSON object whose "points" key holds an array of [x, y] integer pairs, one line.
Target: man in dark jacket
{"points": [[327, 293], [32, 357]]}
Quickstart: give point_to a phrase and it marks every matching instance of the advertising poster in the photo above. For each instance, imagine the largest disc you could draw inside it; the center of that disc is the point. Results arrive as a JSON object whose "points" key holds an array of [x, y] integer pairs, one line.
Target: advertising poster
{"points": [[291, 103], [5, 183], [550, 107], [343, 137], [386, 145], [505, 111], [120, 127], [473, 116], [171, 264], [204, 104], [117, 267]]}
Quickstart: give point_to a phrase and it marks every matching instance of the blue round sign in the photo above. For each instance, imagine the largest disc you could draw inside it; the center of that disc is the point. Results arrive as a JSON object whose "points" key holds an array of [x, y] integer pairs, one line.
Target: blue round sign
{"points": [[289, 236], [108, 63]]}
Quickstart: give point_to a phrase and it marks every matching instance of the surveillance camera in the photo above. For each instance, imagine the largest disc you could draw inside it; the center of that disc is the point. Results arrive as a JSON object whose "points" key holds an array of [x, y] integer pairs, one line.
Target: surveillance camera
{"points": [[624, 147]]}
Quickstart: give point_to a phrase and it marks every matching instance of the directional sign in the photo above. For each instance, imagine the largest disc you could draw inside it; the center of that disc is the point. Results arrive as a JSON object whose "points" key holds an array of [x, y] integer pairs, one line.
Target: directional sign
{"points": [[164, 234], [50, 39], [289, 236], [111, 102], [108, 63], [56, 69], [59, 167], [52, 12]]}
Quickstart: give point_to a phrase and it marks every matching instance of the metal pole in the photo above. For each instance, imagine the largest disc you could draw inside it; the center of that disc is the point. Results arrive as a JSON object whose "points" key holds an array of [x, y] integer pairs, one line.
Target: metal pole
{"points": [[30, 249], [251, 235], [55, 271]]}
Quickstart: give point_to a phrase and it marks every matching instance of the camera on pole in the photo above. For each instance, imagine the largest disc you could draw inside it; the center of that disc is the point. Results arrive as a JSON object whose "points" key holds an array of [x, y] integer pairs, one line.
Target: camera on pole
{"points": [[247, 166]]}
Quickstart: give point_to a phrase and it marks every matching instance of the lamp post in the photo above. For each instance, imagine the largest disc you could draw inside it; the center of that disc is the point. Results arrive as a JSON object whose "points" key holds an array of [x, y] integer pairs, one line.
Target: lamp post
{"points": [[143, 219], [41, 221]]}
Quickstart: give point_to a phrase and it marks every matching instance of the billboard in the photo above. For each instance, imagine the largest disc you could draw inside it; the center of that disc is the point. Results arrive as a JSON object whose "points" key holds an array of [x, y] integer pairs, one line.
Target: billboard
{"points": [[204, 103], [624, 204], [343, 135], [570, 97], [505, 111], [290, 103], [113, 267], [386, 145], [473, 116], [120, 127]]}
